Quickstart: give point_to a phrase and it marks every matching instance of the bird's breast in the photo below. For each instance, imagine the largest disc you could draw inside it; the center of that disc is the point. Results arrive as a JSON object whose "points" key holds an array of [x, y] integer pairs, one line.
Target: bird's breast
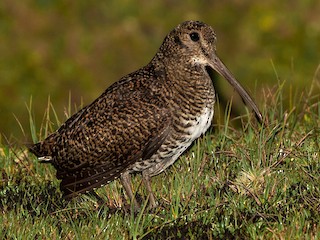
{"points": [[201, 123], [183, 134]]}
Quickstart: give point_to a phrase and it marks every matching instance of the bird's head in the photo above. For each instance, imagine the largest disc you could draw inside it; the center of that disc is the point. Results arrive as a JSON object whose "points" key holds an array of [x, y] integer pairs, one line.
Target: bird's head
{"points": [[192, 45]]}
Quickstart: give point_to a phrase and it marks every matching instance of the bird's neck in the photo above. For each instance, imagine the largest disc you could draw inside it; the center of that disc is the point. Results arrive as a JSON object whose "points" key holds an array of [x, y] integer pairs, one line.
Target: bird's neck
{"points": [[184, 80]]}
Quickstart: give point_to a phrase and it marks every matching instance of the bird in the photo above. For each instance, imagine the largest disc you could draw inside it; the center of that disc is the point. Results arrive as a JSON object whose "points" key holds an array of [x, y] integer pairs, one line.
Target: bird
{"points": [[143, 122]]}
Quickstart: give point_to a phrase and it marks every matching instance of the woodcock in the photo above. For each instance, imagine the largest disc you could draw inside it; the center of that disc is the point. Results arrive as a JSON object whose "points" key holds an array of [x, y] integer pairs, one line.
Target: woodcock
{"points": [[143, 122]]}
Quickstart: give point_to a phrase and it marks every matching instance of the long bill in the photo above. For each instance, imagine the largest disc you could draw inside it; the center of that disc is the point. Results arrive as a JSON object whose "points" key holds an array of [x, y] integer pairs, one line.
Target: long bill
{"points": [[219, 67]]}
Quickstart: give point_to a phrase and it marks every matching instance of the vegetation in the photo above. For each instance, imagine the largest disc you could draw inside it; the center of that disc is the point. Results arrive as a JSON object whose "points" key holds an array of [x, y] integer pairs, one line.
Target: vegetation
{"points": [[253, 182]]}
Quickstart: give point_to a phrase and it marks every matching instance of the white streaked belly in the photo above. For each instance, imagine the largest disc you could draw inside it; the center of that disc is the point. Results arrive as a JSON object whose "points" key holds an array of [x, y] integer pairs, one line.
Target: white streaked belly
{"points": [[203, 122], [200, 126]]}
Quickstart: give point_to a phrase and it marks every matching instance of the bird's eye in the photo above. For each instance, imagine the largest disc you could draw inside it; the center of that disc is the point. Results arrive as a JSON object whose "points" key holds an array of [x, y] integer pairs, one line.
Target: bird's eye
{"points": [[194, 36]]}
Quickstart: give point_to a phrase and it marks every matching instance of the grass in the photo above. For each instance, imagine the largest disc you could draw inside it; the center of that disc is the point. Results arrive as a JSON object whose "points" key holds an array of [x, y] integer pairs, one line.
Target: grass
{"points": [[249, 183]]}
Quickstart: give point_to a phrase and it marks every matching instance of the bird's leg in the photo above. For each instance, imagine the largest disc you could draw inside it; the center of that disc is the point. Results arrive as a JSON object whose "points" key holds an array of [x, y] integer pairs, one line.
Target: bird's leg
{"points": [[126, 183], [147, 182]]}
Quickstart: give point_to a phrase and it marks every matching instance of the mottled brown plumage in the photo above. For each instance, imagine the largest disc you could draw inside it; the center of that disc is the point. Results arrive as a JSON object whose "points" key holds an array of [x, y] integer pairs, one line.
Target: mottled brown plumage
{"points": [[143, 122]]}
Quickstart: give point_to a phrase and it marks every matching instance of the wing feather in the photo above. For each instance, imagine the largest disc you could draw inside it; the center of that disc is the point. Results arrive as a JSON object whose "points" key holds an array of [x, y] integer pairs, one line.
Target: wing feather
{"points": [[125, 124]]}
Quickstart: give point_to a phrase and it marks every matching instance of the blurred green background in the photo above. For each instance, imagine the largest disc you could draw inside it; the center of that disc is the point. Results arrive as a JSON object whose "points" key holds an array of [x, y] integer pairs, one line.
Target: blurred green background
{"points": [[53, 48]]}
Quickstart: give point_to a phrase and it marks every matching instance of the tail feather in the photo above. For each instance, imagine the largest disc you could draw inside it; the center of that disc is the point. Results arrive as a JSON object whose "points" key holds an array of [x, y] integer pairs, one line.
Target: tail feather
{"points": [[87, 179], [40, 152], [35, 149]]}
